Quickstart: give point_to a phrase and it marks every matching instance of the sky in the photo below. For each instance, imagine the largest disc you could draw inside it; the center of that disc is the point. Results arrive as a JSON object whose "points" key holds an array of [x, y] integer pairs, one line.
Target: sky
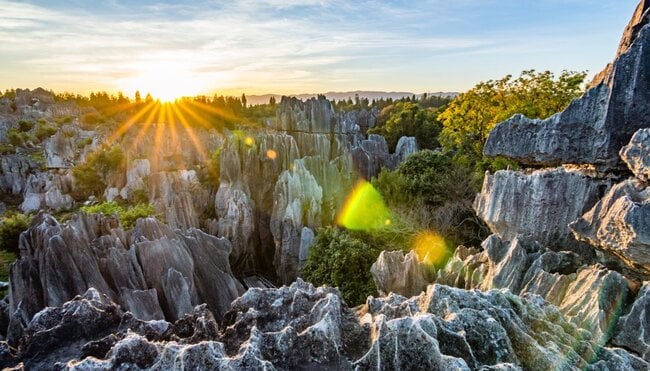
{"points": [[303, 46]]}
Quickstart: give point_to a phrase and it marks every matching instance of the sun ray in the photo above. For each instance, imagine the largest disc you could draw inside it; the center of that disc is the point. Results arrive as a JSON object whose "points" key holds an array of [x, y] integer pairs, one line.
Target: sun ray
{"points": [[201, 120], [144, 129], [130, 122], [190, 132], [218, 112]]}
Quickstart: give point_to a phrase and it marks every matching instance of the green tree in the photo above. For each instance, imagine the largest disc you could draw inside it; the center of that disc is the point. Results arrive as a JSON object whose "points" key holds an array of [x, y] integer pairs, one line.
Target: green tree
{"points": [[92, 176], [406, 118], [339, 260], [469, 118]]}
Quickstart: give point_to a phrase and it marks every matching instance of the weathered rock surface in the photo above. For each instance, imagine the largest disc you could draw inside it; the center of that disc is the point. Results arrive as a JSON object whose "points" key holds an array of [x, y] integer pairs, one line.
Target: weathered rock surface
{"points": [[400, 273], [620, 224], [633, 330], [59, 151], [302, 327], [150, 270], [592, 129], [592, 297], [538, 205], [179, 197], [637, 154]]}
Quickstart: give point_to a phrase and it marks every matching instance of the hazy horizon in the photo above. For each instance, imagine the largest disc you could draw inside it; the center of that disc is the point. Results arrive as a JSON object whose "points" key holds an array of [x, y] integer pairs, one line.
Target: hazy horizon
{"points": [[298, 47]]}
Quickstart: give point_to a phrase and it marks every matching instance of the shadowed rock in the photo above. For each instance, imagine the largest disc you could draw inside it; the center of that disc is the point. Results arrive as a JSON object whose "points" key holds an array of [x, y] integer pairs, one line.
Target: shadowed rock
{"points": [[637, 154]]}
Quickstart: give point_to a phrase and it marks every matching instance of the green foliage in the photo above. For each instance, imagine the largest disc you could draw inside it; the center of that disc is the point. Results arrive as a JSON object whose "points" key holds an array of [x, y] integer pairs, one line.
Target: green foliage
{"points": [[25, 125], [127, 215], [83, 142], [406, 118], [18, 138], [470, 117], [10, 228], [430, 191], [214, 166], [92, 118], [92, 176], [339, 260], [63, 120], [44, 131], [6, 258]]}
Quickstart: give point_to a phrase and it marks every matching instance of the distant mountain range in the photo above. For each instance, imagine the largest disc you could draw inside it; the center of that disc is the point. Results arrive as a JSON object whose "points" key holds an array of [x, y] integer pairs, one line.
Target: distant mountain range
{"points": [[334, 95]]}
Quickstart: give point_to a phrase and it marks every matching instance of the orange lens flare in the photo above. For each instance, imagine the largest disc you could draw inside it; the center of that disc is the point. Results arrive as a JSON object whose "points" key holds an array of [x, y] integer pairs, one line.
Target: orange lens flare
{"points": [[431, 248]]}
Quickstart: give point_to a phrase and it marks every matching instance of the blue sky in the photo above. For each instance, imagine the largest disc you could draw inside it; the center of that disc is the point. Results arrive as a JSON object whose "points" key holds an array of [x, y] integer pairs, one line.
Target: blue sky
{"points": [[276, 46]]}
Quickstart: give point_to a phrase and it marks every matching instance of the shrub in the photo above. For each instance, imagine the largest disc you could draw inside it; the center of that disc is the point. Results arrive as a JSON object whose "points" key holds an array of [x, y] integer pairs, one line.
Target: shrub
{"points": [[25, 125], [92, 118], [10, 229], [127, 215], [15, 137], [44, 131], [6, 258], [339, 260], [92, 176]]}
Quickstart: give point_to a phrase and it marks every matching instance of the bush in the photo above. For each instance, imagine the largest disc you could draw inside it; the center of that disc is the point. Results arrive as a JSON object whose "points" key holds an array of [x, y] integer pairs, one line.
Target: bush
{"points": [[25, 125], [408, 119], [127, 215], [339, 260], [430, 191], [92, 176], [15, 137], [10, 229], [91, 119], [44, 131], [6, 258]]}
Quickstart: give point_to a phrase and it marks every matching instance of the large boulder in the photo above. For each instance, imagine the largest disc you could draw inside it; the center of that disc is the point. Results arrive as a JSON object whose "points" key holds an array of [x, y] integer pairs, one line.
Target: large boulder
{"points": [[592, 129], [59, 151], [538, 205], [637, 154], [400, 273], [620, 225]]}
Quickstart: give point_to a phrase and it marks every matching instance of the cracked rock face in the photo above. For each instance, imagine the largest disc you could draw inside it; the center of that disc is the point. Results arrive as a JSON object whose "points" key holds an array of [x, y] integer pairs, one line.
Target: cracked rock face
{"points": [[303, 327], [637, 154], [620, 224], [538, 205], [592, 129], [633, 330], [400, 273], [152, 271]]}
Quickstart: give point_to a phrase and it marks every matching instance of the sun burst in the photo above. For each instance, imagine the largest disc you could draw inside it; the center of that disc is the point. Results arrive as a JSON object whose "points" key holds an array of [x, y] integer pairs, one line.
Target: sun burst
{"points": [[164, 80]]}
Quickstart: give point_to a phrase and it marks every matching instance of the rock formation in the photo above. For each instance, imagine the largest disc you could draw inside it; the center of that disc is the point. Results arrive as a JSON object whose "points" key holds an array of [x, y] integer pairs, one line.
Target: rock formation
{"points": [[152, 271], [301, 326], [592, 129]]}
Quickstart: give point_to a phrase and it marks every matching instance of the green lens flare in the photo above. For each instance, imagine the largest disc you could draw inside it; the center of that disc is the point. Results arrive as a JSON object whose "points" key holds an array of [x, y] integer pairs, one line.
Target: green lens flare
{"points": [[364, 209]]}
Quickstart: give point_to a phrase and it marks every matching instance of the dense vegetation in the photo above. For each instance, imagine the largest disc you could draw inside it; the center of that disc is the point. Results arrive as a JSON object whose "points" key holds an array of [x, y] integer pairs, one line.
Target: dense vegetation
{"points": [[10, 228], [468, 119], [128, 215], [91, 176], [339, 260], [433, 191]]}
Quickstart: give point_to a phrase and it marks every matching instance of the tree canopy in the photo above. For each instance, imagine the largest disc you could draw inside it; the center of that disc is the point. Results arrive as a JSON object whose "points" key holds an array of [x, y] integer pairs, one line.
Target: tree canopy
{"points": [[468, 119]]}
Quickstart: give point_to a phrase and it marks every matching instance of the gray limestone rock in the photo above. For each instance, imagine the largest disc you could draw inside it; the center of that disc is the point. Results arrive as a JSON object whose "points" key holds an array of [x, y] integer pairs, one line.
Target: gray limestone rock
{"points": [[400, 273], [637, 154], [633, 330], [59, 151], [148, 271], [538, 205], [592, 129], [620, 224]]}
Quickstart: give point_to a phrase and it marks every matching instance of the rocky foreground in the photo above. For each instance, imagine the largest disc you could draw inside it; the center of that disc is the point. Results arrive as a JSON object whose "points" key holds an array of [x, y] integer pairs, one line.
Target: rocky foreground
{"points": [[563, 282]]}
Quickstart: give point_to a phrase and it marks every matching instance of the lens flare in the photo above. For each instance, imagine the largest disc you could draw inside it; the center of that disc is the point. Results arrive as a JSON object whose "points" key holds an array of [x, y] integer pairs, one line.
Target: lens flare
{"points": [[432, 249], [364, 209], [271, 154], [249, 141]]}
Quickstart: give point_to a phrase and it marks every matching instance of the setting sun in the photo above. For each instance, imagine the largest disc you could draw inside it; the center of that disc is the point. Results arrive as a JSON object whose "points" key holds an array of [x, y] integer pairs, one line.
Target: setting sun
{"points": [[164, 80]]}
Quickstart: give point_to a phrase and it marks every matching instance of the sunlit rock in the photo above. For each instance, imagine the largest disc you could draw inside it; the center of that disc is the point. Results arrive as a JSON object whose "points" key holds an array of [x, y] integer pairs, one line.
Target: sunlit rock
{"points": [[538, 205], [400, 273], [637, 154], [59, 151], [620, 225]]}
